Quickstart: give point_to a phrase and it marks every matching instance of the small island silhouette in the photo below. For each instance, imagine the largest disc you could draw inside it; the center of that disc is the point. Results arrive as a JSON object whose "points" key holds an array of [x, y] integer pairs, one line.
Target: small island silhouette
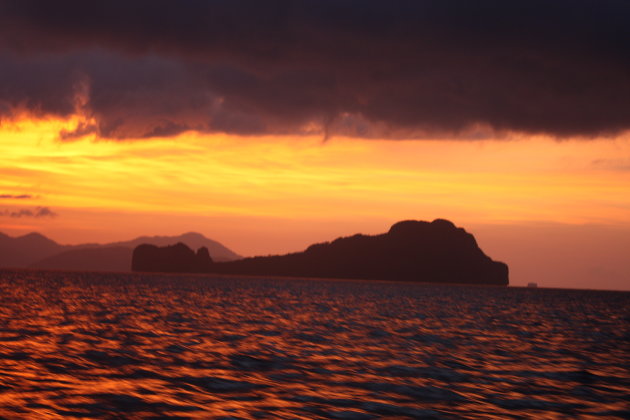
{"points": [[437, 252]]}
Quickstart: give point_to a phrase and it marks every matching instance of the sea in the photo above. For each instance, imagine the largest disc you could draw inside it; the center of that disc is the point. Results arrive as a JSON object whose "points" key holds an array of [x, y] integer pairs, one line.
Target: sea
{"points": [[112, 345]]}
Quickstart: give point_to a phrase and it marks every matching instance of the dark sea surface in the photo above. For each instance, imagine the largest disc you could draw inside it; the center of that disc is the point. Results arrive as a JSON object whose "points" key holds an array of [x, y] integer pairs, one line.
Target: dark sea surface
{"points": [[88, 345]]}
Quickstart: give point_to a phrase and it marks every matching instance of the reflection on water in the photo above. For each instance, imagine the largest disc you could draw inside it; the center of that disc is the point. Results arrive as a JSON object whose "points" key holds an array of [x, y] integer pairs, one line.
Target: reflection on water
{"points": [[151, 346]]}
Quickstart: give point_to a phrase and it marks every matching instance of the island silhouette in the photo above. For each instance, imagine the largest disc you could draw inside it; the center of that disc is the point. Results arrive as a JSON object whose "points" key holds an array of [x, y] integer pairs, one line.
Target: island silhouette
{"points": [[420, 251]]}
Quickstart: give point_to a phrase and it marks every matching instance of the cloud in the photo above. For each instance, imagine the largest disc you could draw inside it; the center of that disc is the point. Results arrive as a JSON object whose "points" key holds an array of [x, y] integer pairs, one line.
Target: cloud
{"points": [[622, 165], [38, 212], [360, 68], [16, 196]]}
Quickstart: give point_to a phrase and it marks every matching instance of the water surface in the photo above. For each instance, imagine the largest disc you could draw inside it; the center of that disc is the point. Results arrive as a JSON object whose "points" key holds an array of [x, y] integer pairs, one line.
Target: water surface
{"points": [[92, 345]]}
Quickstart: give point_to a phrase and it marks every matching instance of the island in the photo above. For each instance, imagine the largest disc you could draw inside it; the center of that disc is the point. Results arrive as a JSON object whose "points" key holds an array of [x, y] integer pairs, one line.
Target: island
{"points": [[416, 251]]}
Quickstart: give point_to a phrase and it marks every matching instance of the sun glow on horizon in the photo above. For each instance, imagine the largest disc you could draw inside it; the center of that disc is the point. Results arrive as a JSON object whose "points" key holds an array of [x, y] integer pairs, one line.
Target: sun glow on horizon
{"points": [[342, 180]]}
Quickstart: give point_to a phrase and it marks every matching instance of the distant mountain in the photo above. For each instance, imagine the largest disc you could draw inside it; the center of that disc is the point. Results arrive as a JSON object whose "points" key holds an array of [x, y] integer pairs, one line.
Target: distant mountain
{"points": [[102, 258], [435, 251], [37, 251], [24, 250], [217, 251]]}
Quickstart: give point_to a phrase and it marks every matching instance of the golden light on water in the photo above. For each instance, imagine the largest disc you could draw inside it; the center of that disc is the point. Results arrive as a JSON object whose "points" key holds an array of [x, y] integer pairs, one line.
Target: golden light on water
{"points": [[102, 344]]}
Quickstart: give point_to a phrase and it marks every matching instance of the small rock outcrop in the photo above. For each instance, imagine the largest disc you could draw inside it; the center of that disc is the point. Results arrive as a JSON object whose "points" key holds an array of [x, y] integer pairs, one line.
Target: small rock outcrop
{"points": [[437, 252], [176, 258]]}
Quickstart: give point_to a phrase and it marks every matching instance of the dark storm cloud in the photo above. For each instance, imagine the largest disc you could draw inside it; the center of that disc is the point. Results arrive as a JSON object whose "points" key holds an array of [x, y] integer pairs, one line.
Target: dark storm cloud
{"points": [[362, 68], [38, 213]]}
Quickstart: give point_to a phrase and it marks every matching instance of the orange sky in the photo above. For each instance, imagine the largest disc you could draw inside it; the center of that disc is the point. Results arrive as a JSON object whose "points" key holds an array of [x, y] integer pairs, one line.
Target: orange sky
{"points": [[272, 195]]}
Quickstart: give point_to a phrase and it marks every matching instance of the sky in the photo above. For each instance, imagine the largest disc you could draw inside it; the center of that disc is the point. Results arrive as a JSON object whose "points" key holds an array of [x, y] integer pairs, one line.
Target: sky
{"points": [[272, 125]]}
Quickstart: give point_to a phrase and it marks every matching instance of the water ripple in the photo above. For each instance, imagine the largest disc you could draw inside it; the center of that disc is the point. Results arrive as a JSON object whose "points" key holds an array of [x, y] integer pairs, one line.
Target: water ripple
{"points": [[172, 347]]}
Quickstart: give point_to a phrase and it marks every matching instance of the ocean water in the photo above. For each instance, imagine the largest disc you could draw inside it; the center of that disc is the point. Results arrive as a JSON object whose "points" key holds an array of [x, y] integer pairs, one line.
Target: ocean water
{"points": [[88, 345]]}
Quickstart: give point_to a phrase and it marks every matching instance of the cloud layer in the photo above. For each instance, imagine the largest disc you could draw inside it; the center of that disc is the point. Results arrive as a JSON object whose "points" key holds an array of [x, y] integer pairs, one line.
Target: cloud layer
{"points": [[361, 68], [16, 196], [37, 212]]}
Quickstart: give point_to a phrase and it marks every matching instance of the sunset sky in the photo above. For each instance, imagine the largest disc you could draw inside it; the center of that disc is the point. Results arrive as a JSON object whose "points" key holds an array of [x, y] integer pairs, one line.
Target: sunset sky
{"points": [[268, 126]]}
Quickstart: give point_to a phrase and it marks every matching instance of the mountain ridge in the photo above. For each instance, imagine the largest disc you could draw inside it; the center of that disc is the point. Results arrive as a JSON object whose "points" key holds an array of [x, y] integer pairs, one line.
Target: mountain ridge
{"points": [[36, 250]]}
